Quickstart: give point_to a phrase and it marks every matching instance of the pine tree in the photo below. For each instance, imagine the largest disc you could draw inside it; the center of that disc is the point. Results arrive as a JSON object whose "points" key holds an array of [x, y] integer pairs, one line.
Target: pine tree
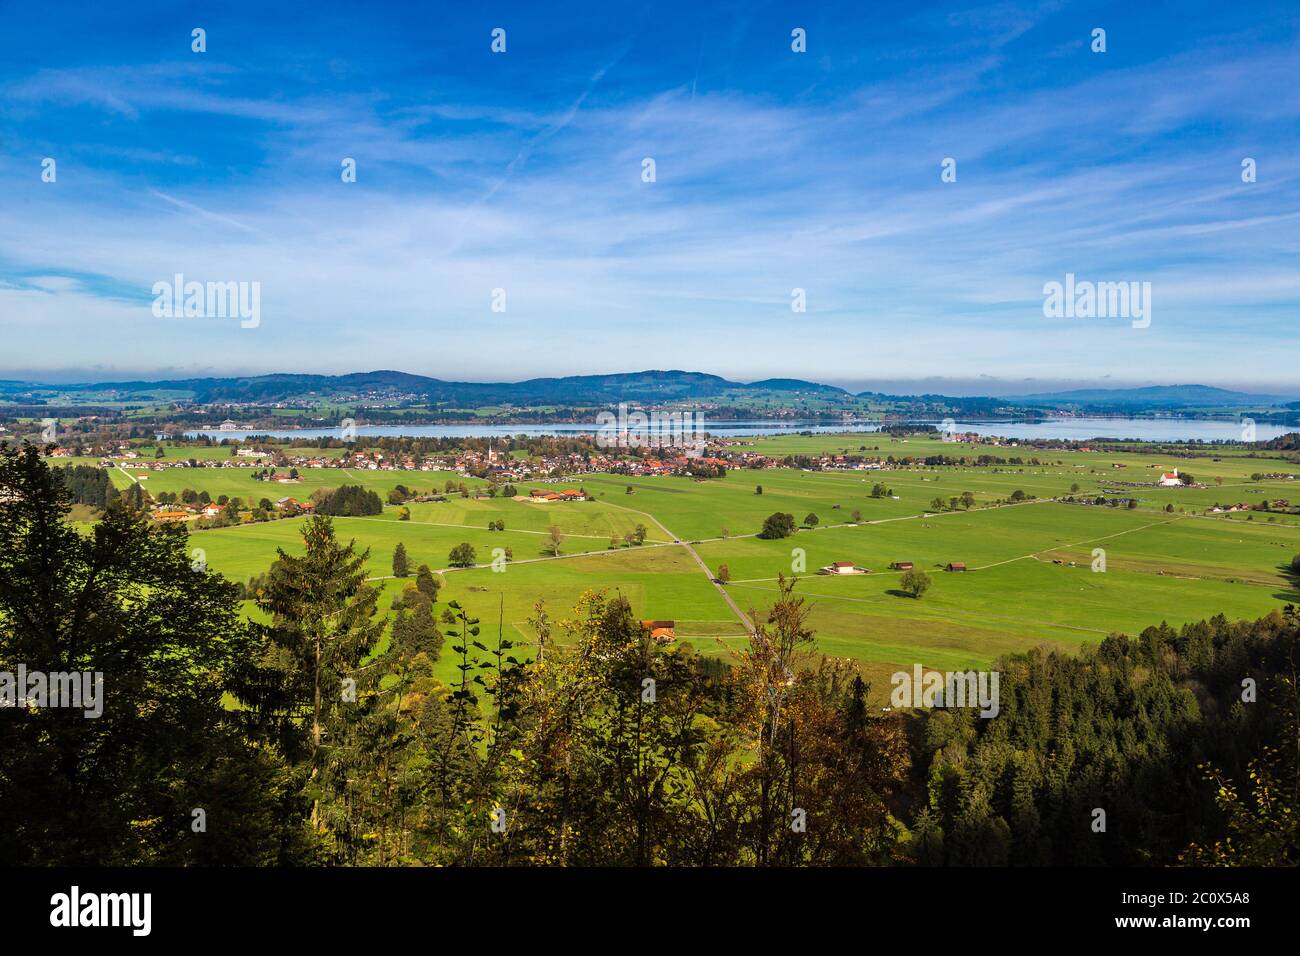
{"points": [[321, 626], [427, 584], [415, 631]]}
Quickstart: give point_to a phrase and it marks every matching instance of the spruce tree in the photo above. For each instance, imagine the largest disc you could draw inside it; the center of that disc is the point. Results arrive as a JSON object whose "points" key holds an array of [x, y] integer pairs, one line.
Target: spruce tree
{"points": [[427, 584], [322, 625]]}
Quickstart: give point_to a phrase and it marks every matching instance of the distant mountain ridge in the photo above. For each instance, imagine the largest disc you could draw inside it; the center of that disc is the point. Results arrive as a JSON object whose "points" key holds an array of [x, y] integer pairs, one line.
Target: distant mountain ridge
{"points": [[646, 386], [651, 386]]}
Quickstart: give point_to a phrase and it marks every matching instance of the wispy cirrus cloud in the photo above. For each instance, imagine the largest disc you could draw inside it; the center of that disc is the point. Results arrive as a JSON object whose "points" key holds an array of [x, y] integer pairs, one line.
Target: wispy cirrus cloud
{"points": [[523, 172]]}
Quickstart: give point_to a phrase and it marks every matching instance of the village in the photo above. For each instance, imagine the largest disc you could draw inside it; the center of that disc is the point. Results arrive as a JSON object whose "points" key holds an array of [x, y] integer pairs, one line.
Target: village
{"points": [[500, 462]]}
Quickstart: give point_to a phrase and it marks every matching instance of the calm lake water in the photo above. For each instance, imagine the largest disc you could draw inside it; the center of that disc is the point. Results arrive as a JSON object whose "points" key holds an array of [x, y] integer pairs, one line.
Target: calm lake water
{"points": [[1146, 429]]}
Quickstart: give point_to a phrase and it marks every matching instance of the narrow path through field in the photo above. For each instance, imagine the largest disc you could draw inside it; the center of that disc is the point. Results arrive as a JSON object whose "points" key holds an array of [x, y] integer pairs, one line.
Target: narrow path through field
{"points": [[1059, 547], [549, 557], [722, 591]]}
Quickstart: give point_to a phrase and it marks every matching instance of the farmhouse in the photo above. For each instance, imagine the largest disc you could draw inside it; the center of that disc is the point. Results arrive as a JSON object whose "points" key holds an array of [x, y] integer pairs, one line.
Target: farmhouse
{"points": [[842, 567], [956, 566], [664, 631], [170, 515], [211, 510], [538, 495]]}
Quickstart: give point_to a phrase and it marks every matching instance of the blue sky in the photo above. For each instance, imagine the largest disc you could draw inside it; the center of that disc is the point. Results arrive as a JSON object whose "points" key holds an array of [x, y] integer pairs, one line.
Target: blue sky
{"points": [[774, 170]]}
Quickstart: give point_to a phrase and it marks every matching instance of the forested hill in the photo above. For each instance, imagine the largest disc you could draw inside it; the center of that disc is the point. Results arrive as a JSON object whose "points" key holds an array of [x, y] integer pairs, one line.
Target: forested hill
{"points": [[646, 386], [649, 387]]}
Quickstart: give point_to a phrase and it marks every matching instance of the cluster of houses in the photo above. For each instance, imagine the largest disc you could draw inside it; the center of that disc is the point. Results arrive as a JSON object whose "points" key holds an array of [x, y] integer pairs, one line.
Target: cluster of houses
{"points": [[751, 459], [723, 454], [1279, 504], [843, 463], [490, 463], [257, 458], [827, 462], [211, 509], [495, 465], [973, 438]]}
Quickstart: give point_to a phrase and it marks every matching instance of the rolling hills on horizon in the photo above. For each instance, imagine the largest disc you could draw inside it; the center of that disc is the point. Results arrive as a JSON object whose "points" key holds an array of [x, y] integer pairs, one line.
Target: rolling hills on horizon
{"points": [[647, 386]]}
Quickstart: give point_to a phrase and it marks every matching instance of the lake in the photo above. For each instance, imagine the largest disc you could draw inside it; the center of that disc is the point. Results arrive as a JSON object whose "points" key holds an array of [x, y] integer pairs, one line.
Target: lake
{"points": [[1145, 429]]}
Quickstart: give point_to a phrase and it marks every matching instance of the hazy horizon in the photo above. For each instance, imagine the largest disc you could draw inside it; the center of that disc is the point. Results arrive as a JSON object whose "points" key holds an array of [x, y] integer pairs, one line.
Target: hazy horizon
{"points": [[956, 387]]}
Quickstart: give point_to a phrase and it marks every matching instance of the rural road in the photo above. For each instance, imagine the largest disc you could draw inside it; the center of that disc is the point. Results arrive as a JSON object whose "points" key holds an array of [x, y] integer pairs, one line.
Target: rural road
{"points": [[735, 608]]}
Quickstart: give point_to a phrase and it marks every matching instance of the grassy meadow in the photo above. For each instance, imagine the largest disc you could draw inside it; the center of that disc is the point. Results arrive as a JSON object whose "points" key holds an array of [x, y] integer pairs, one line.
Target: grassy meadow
{"points": [[1030, 580]]}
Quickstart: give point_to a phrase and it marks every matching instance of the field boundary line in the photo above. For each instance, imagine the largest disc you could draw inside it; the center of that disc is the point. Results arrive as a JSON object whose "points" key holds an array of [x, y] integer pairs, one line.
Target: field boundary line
{"points": [[468, 527], [939, 616]]}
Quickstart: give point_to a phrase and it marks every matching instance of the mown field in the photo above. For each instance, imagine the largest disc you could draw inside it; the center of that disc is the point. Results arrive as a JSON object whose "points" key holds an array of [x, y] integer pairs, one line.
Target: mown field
{"points": [[1030, 579]]}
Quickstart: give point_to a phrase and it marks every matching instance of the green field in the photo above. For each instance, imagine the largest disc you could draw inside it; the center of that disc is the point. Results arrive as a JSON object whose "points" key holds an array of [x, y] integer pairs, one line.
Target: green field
{"points": [[1030, 579]]}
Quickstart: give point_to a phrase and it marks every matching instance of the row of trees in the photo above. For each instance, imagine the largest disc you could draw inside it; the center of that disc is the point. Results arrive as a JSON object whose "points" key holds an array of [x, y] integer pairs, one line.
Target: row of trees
{"points": [[89, 485], [349, 501]]}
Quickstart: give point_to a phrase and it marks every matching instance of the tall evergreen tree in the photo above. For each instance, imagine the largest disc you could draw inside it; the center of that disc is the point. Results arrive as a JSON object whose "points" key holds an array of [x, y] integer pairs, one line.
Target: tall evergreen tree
{"points": [[427, 584], [321, 625]]}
